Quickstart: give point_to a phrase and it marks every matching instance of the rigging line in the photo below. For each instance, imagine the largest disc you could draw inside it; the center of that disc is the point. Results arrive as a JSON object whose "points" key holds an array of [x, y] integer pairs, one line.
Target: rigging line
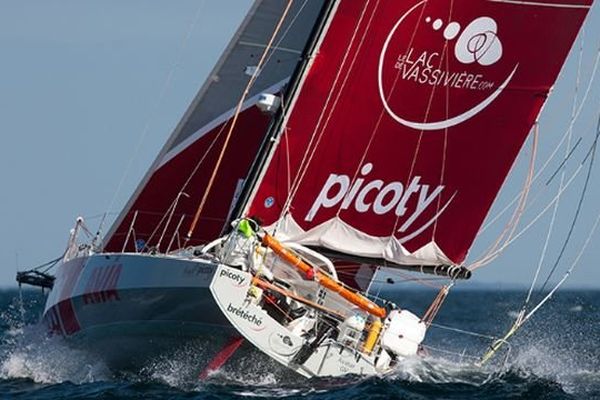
{"points": [[521, 321], [567, 184], [436, 305], [218, 135], [189, 179], [449, 352], [283, 35], [163, 91], [168, 221], [567, 273], [577, 211], [444, 55], [562, 179], [538, 194], [511, 226], [376, 129], [427, 110], [235, 118], [545, 247], [369, 143], [556, 148], [505, 236], [327, 112], [565, 159], [445, 144], [96, 216], [537, 217], [377, 125], [223, 126], [463, 331], [172, 206], [513, 223], [48, 264], [316, 137]]}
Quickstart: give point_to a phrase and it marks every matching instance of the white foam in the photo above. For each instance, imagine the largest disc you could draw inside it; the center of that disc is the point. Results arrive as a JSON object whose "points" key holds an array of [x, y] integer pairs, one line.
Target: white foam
{"points": [[48, 360]]}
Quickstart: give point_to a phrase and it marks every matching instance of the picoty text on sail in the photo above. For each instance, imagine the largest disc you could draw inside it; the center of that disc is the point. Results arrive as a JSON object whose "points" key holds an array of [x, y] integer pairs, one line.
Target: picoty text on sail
{"points": [[375, 196]]}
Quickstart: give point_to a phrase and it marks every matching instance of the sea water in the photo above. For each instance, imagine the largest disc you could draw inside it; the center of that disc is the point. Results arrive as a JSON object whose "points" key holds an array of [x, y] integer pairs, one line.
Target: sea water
{"points": [[555, 356]]}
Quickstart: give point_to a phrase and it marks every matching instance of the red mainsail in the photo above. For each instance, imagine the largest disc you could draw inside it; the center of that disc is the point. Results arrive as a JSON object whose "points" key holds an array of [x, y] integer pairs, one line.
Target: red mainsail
{"points": [[408, 121], [159, 213]]}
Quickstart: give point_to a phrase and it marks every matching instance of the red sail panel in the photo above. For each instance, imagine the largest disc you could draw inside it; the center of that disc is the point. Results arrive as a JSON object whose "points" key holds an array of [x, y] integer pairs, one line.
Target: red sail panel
{"points": [[154, 225], [409, 121], [174, 185]]}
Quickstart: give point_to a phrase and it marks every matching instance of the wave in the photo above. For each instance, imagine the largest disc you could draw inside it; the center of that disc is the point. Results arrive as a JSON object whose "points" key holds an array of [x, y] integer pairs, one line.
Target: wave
{"points": [[540, 365]]}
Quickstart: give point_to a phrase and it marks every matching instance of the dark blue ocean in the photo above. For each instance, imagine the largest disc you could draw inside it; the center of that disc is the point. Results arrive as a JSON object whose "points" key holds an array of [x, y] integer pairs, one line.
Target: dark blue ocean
{"points": [[555, 356]]}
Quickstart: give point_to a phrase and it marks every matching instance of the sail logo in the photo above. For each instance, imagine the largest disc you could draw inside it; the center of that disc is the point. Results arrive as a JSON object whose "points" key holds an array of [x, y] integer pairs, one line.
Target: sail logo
{"points": [[478, 43], [378, 197], [423, 69]]}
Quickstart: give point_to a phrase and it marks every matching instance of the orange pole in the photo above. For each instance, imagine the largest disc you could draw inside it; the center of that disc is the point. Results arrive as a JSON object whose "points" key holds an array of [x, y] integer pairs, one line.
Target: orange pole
{"points": [[360, 301], [270, 286]]}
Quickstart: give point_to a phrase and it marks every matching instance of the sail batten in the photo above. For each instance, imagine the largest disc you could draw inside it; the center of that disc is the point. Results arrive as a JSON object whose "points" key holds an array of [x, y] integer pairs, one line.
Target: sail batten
{"points": [[403, 102]]}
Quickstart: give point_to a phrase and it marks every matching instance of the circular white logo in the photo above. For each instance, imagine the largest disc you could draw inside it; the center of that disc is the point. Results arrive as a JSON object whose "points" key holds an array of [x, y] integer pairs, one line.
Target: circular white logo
{"points": [[477, 43]]}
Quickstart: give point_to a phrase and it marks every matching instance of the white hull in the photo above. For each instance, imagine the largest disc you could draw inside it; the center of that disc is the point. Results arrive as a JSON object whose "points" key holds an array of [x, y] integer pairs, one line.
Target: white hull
{"points": [[230, 287], [314, 345], [129, 307]]}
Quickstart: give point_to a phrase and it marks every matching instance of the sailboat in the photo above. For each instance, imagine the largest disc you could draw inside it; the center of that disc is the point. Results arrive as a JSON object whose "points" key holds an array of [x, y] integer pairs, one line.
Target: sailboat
{"points": [[333, 138], [143, 287]]}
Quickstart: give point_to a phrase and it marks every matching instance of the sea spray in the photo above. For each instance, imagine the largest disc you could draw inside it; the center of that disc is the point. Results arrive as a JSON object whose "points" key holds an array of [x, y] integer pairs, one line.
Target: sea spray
{"points": [[28, 352], [556, 356]]}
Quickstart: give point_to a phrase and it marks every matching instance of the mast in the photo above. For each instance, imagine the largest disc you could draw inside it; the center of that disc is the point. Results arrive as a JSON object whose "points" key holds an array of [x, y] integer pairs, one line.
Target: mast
{"points": [[168, 196], [275, 130]]}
